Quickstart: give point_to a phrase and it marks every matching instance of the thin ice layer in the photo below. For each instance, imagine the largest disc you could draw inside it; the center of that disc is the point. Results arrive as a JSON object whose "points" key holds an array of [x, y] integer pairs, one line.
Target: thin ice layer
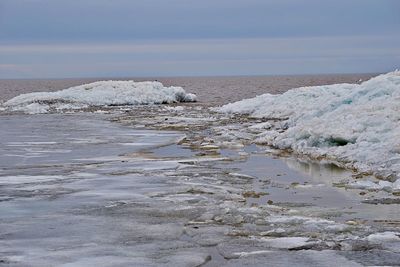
{"points": [[355, 124], [102, 93]]}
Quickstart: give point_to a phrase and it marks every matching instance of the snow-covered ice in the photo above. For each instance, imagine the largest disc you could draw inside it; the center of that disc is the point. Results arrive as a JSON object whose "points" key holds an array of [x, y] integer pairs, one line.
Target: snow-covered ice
{"points": [[356, 125], [101, 93]]}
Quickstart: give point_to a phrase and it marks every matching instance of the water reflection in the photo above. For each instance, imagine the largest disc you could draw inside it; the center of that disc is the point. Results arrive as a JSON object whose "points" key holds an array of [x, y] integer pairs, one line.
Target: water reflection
{"points": [[327, 173]]}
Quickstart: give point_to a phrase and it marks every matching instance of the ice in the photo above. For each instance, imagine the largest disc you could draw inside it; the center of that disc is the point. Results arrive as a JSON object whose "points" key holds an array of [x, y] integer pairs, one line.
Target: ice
{"points": [[312, 224], [251, 253], [371, 185], [179, 108], [286, 242], [356, 125], [384, 237], [33, 108], [22, 179], [307, 258], [101, 93]]}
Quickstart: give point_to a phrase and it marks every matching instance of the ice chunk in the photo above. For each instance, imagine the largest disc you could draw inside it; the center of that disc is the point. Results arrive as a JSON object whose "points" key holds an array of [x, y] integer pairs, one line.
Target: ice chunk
{"points": [[101, 93], [286, 242], [354, 124], [33, 108], [369, 185], [384, 237]]}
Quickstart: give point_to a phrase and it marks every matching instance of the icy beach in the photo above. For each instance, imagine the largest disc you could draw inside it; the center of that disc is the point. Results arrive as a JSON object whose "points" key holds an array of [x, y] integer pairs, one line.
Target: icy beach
{"points": [[106, 174], [354, 125]]}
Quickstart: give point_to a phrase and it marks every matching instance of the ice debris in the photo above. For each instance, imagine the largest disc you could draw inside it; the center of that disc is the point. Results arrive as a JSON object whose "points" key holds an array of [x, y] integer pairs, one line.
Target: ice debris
{"points": [[357, 125]]}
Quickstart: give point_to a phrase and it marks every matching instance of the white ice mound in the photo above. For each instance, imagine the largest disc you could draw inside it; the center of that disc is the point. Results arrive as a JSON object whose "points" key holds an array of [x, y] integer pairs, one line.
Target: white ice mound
{"points": [[101, 93], [354, 124]]}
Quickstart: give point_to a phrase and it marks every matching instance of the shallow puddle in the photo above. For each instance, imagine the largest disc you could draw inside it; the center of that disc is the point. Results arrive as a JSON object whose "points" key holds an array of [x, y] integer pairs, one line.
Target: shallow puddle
{"points": [[310, 187]]}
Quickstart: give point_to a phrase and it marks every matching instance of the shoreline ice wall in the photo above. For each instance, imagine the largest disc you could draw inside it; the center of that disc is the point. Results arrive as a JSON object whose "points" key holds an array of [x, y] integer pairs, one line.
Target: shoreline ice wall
{"points": [[101, 93], [357, 125]]}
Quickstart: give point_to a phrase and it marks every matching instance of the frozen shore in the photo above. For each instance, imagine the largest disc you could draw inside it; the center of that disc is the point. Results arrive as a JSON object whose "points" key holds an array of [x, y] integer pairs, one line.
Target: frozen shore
{"points": [[178, 185], [94, 192], [356, 125], [102, 93]]}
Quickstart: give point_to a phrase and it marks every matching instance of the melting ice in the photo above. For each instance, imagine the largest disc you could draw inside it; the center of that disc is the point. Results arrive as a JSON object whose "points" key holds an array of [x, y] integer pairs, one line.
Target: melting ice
{"points": [[356, 125]]}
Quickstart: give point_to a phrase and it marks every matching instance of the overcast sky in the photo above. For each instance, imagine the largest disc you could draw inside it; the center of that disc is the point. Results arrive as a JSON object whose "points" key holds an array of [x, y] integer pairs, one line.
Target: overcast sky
{"points": [[94, 38]]}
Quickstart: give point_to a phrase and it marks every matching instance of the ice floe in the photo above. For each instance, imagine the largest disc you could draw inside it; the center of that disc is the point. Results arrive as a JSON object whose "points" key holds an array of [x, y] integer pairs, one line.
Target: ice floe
{"points": [[356, 125], [101, 93]]}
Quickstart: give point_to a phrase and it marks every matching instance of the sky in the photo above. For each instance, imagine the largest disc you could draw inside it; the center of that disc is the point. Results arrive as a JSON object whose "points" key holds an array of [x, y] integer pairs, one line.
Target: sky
{"points": [[136, 38]]}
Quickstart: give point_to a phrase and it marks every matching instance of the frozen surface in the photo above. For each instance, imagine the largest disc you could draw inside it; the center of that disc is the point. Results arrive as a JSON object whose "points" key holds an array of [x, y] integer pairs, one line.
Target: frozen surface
{"points": [[129, 189], [79, 189], [299, 258], [61, 138], [356, 125], [101, 93]]}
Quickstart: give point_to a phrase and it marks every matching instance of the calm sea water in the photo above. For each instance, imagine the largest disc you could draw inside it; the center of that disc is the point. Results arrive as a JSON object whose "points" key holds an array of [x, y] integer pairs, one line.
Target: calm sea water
{"points": [[210, 90]]}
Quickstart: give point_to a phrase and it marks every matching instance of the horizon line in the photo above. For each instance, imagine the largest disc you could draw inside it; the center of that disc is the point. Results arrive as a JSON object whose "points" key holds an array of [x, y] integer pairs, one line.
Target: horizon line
{"points": [[197, 76]]}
